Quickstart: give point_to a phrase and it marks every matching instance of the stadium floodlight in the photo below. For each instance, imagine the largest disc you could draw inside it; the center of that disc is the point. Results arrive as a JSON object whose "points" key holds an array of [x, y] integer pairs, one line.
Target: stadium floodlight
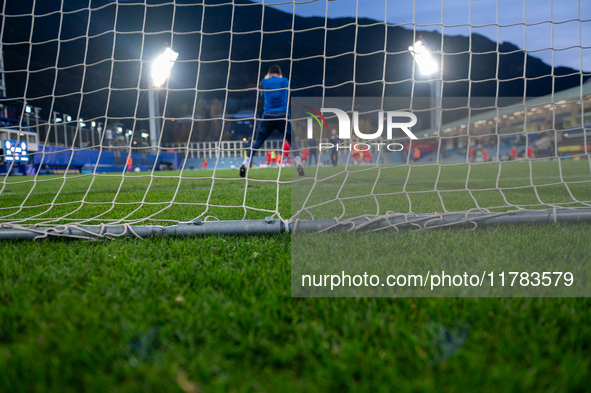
{"points": [[28, 111], [423, 58], [92, 128], [67, 118], [428, 67], [162, 66]]}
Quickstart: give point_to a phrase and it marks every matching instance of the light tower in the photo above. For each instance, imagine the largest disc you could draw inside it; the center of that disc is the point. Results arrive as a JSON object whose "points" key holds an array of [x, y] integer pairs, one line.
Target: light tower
{"points": [[67, 119], [428, 67], [161, 68]]}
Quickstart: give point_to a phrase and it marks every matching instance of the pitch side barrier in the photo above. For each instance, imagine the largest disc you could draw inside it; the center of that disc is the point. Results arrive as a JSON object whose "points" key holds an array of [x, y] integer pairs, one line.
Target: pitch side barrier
{"points": [[270, 225]]}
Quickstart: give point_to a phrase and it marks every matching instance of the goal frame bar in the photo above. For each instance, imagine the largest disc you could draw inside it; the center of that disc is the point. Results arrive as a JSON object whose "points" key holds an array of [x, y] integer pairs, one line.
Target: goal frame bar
{"points": [[270, 225]]}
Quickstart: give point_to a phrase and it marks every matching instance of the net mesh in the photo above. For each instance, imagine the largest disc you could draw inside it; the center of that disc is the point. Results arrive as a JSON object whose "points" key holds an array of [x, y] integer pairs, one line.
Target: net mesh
{"points": [[87, 138]]}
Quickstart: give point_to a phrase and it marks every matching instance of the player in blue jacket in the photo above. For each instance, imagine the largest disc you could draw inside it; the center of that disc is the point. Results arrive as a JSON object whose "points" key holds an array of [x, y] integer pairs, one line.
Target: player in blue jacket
{"points": [[275, 117]]}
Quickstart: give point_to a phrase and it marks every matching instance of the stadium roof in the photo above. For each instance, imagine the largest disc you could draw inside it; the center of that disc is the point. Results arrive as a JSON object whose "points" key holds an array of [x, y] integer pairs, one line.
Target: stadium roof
{"points": [[571, 94]]}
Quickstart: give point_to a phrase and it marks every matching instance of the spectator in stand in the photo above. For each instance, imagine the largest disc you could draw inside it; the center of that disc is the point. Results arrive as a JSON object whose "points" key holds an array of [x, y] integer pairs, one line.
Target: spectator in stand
{"points": [[513, 153], [313, 146]]}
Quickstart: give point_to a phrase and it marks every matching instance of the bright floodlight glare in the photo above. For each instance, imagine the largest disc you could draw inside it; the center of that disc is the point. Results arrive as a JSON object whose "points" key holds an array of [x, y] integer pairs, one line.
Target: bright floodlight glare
{"points": [[423, 58], [162, 66]]}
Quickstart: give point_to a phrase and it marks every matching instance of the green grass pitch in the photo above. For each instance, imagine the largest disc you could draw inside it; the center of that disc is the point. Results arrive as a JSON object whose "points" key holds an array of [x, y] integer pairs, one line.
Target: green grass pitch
{"points": [[215, 314]]}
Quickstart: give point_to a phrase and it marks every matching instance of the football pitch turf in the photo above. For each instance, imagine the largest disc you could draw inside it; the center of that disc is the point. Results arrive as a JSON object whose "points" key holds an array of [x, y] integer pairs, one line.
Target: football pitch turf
{"points": [[168, 197], [215, 313]]}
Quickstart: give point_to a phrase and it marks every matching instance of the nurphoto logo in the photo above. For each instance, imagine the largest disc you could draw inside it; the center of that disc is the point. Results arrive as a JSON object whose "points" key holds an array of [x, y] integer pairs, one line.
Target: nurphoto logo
{"points": [[344, 128]]}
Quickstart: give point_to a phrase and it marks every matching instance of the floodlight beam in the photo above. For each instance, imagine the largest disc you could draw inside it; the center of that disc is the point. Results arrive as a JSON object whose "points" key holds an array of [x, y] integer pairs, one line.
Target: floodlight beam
{"points": [[423, 58], [162, 66]]}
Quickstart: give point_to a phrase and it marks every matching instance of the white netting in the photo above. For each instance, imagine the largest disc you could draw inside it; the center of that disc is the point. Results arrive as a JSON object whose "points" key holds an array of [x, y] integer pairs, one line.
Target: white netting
{"points": [[501, 118]]}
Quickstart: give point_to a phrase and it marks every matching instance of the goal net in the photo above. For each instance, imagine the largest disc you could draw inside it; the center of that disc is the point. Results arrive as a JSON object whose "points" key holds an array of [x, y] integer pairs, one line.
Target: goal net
{"points": [[134, 114]]}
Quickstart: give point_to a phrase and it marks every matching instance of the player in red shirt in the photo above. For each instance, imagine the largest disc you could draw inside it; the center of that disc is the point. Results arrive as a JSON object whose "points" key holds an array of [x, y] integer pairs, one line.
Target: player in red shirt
{"points": [[273, 158], [513, 153], [286, 148], [484, 155], [129, 163], [305, 155], [530, 152], [356, 153], [416, 154], [367, 157], [471, 154]]}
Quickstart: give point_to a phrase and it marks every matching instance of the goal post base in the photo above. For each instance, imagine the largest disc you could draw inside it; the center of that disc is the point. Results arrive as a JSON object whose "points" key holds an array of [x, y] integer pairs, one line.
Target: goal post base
{"points": [[433, 221], [191, 228], [273, 225]]}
